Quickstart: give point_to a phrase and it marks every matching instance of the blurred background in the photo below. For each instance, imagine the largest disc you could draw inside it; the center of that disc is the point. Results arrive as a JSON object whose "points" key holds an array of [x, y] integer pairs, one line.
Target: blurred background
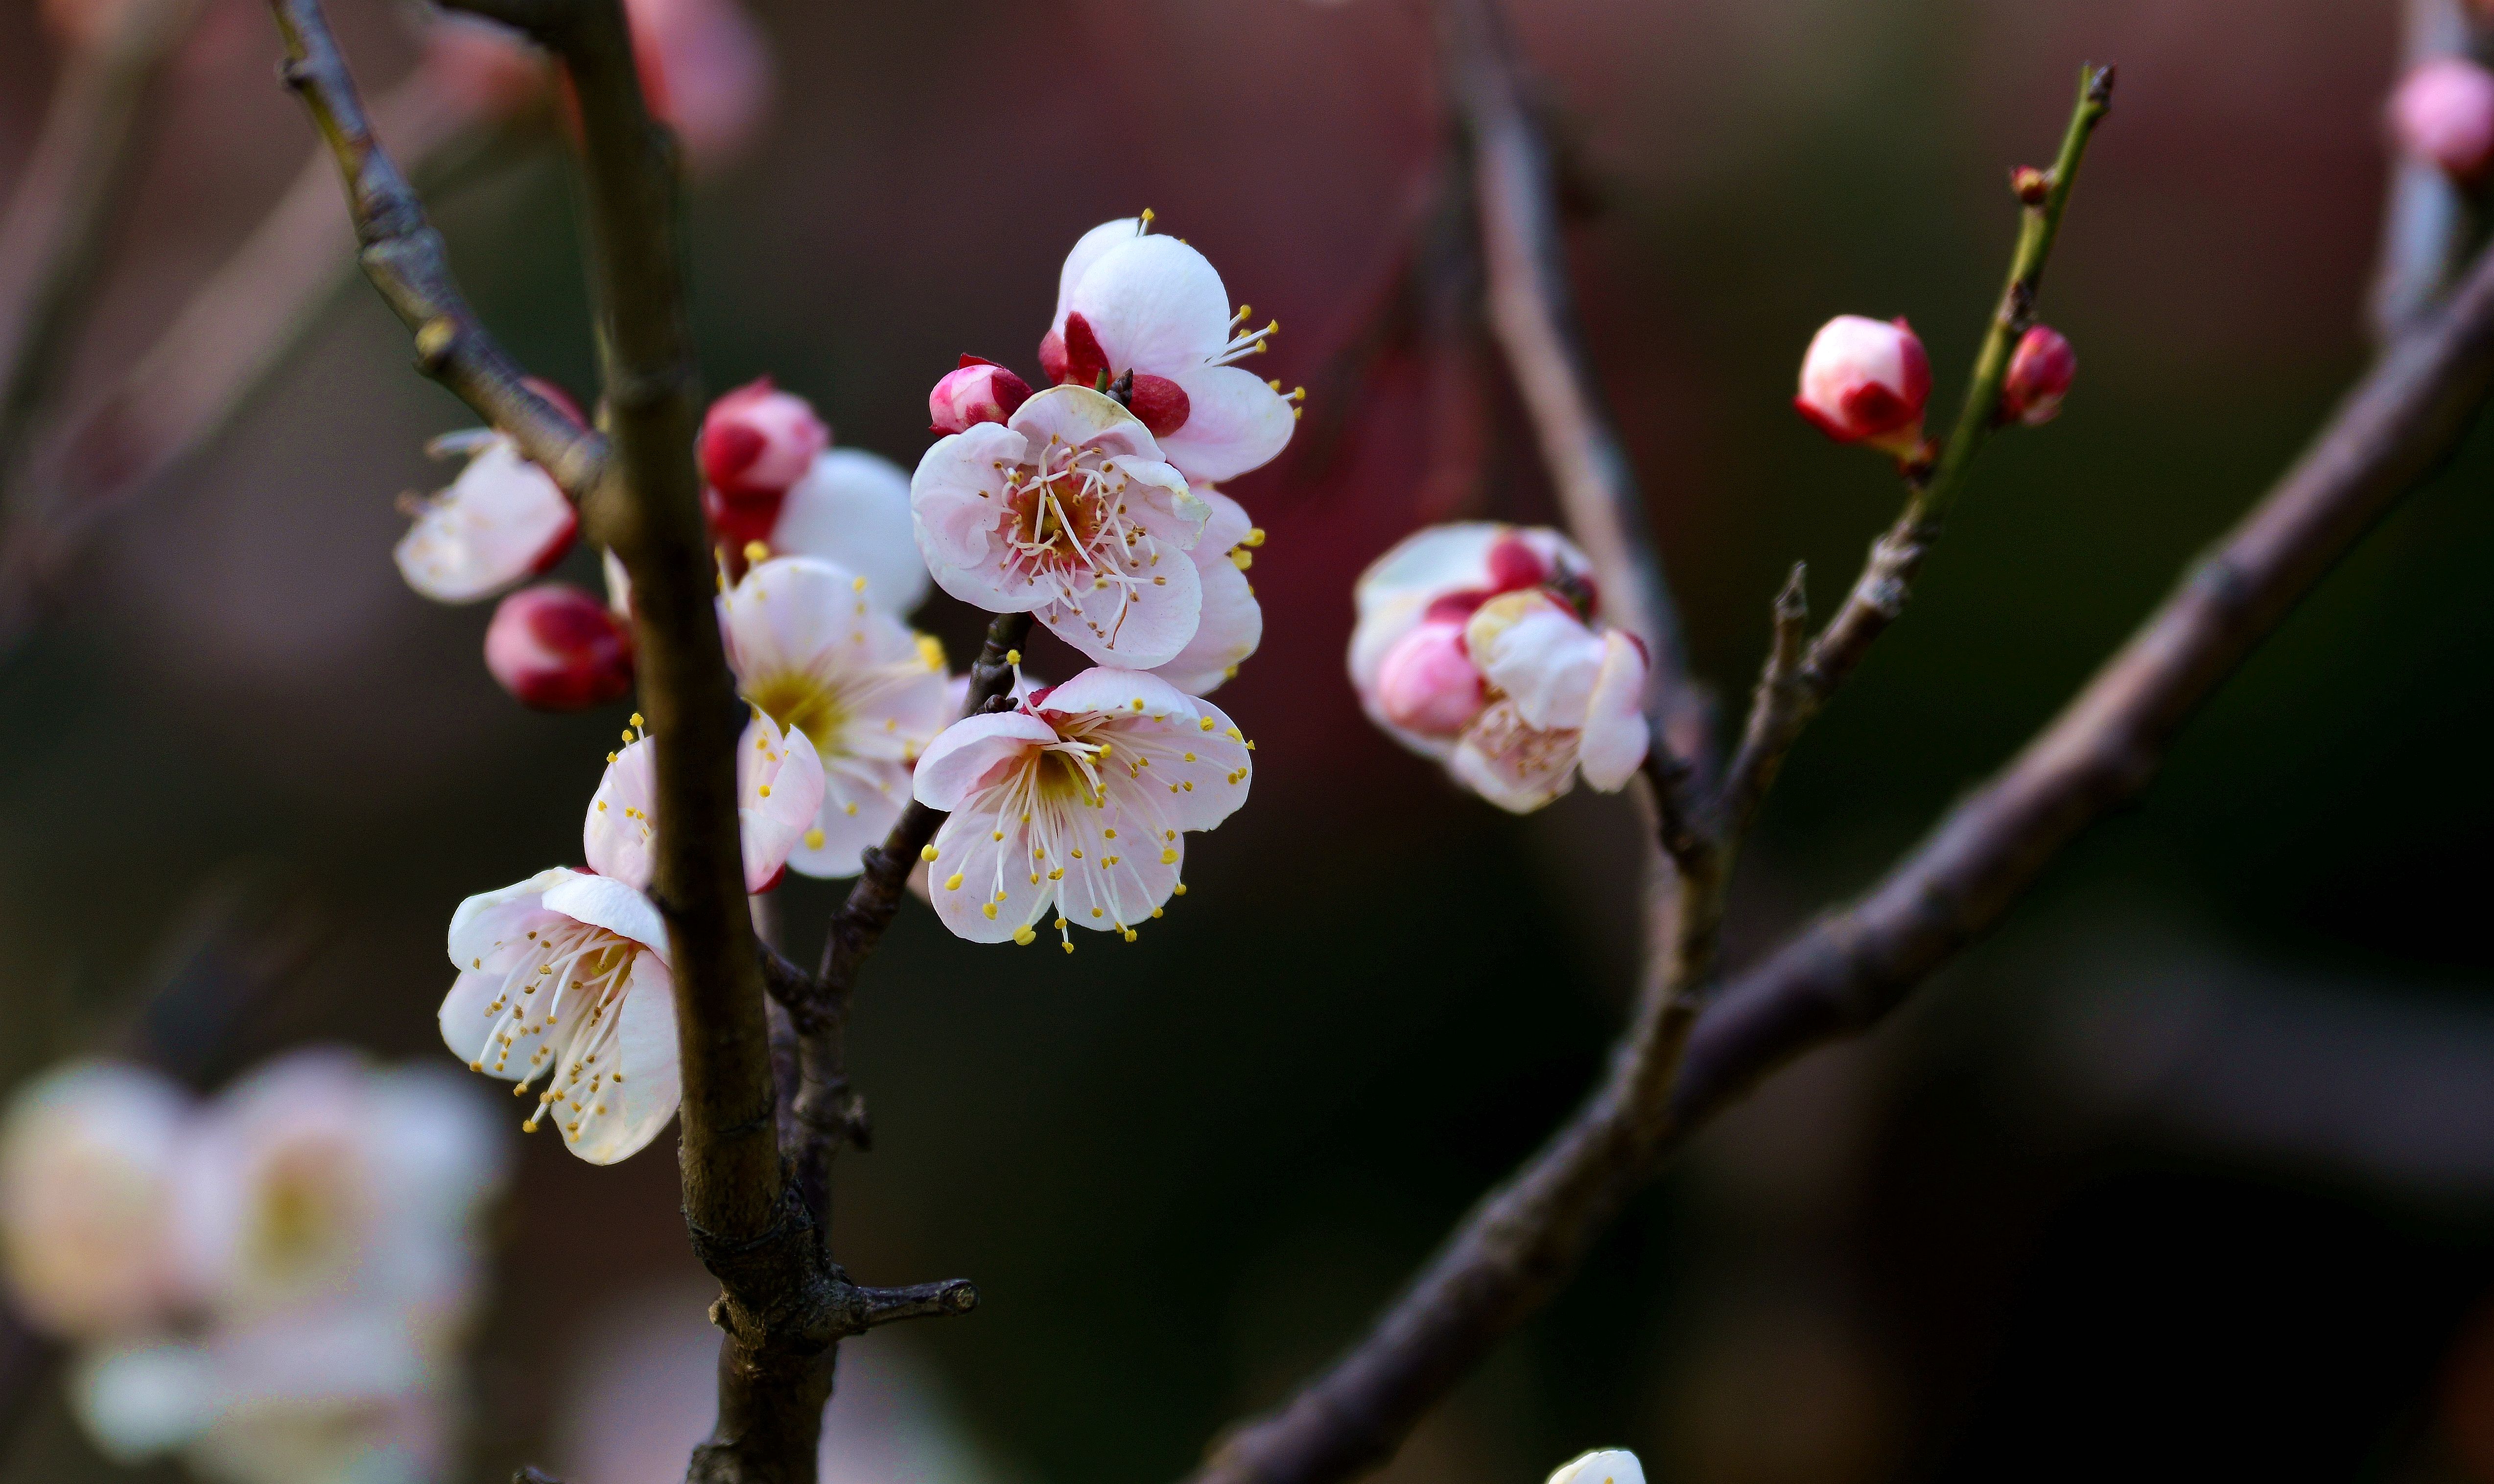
{"points": [[2189, 1171]]}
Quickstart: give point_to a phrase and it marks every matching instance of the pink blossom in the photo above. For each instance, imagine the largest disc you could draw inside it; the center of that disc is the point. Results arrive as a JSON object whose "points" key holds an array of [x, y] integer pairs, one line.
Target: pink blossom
{"points": [[977, 391], [87, 1156], [558, 648], [504, 519], [707, 71], [2039, 372], [2442, 111], [1866, 382], [1070, 809], [779, 788], [756, 441]]}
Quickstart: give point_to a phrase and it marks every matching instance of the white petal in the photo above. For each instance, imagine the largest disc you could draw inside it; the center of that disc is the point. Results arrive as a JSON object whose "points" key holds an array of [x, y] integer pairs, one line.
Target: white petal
{"points": [[1089, 248], [619, 837], [1132, 857], [1516, 767], [956, 495], [1140, 623], [87, 1158], [1164, 506], [146, 1399], [1227, 524], [490, 928], [1156, 305], [1079, 415], [984, 860], [1106, 691], [1194, 776], [778, 792], [602, 902], [861, 800], [498, 521], [1229, 625], [1532, 647], [468, 1018], [956, 764], [1235, 422], [797, 614], [645, 1049], [431, 1129], [1616, 736], [1602, 1466], [852, 509]]}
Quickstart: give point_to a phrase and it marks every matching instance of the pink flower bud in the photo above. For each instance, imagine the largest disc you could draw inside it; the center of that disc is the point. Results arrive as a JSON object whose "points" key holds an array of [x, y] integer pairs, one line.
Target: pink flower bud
{"points": [[706, 70], [759, 440], [2039, 376], [558, 648], [2444, 112], [979, 391], [1428, 684], [1865, 381]]}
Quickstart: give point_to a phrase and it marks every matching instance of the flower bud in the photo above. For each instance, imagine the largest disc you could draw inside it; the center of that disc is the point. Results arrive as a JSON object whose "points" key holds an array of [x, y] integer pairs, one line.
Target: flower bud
{"points": [[1427, 683], [1865, 381], [977, 391], [2039, 376], [2031, 186], [558, 648], [759, 440], [2444, 112]]}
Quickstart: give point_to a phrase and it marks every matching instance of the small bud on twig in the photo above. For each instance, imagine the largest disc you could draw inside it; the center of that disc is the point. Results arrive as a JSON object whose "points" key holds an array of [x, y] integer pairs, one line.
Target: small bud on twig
{"points": [[2040, 372], [2032, 185]]}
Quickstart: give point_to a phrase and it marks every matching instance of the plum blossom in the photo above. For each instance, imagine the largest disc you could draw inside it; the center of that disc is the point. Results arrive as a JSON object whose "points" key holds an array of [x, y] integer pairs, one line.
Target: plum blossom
{"points": [[502, 520], [756, 442], [1476, 646], [1232, 623], [86, 1165], [1132, 304], [779, 790], [817, 656], [977, 391], [1067, 512], [564, 976], [2040, 372], [1069, 810], [558, 648], [1866, 382], [1602, 1466], [2443, 112]]}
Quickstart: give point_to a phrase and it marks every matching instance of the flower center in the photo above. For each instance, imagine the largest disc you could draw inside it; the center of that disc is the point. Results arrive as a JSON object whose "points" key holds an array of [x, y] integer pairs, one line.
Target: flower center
{"points": [[804, 702], [561, 1005], [1067, 530]]}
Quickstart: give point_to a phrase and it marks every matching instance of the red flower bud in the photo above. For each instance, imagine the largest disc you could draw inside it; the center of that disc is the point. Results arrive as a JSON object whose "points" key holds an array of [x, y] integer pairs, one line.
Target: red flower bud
{"points": [[558, 648], [979, 391], [2040, 371], [759, 441], [1866, 382]]}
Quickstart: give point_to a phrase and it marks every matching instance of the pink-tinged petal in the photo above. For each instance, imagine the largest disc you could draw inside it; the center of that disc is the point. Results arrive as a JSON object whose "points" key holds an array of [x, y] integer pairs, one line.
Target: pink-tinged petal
{"points": [[794, 612], [1615, 736], [1109, 690], [628, 1111], [956, 498], [619, 837], [1192, 772], [862, 799], [1531, 646], [470, 1017], [1227, 524], [489, 931], [852, 510], [1228, 630], [88, 1156], [1156, 305], [1079, 415], [1428, 684], [707, 71], [1515, 766], [778, 792], [1235, 422], [1132, 852], [1158, 498], [1138, 624], [500, 521], [956, 764], [976, 391], [602, 902], [981, 880], [1089, 249]]}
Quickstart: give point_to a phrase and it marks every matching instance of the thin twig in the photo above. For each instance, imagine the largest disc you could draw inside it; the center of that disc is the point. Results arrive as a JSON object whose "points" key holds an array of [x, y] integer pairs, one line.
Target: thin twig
{"points": [[51, 237]]}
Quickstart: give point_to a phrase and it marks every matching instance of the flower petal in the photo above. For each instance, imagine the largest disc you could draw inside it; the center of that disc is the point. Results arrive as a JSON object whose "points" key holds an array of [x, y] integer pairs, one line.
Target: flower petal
{"points": [[489, 931], [955, 495], [1529, 645], [1156, 305], [852, 509], [1515, 766], [1229, 626], [1235, 422], [630, 1111], [602, 902], [1144, 621], [1079, 415], [502, 520], [1195, 770], [955, 764], [862, 799], [778, 791], [1616, 736], [619, 837], [1089, 249], [982, 881]]}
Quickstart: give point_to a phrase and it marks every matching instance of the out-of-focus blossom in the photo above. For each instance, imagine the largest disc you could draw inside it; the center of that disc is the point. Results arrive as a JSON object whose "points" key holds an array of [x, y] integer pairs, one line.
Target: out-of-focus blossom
{"points": [[564, 976], [977, 391], [756, 442], [2040, 372], [86, 1162], [82, 22], [319, 1179], [1068, 512], [1866, 382], [2442, 111], [1476, 646], [1075, 804], [504, 519], [1232, 623], [1602, 1466], [779, 790], [815, 653], [485, 66], [558, 648], [852, 510], [1129, 303]]}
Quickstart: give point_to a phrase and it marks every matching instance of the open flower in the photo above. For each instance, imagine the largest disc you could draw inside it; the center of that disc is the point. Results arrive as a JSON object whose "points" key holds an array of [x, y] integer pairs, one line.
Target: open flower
{"points": [[779, 790], [1067, 512], [1232, 623], [86, 1162], [1070, 810], [1476, 646], [502, 520], [815, 655], [564, 976], [1131, 303]]}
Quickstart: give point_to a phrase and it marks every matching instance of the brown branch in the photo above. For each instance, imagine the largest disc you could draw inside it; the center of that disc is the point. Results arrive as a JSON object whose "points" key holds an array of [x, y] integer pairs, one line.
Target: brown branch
{"points": [[1846, 972], [2427, 220], [52, 237]]}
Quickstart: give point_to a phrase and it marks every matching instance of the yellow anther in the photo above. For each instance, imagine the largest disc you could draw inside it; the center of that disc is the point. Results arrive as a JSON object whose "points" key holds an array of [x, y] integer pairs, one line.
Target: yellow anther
{"points": [[1095, 912], [765, 790], [1181, 889], [476, 1066], [1146, 218], [1189, 757], [610, 757], [856, 584], [1130, 935], [636, 720], [1012, 657], [1022, 935], [1205, 725], [925, 852], [757, 551], [849, 810], [1077, 854], [1253, 537], [1169, 856], [1138, 702], [1058, 874], [814, 838], [953, 883], [931, 650], [1108, 835], [1069, 947], [1156, 912], [995, 835], [988, 910], [1242, 558]]}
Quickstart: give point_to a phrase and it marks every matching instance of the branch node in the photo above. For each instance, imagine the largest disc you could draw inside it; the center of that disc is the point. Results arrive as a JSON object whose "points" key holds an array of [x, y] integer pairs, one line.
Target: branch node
{"points": [[435, 340], [918, 1301]]}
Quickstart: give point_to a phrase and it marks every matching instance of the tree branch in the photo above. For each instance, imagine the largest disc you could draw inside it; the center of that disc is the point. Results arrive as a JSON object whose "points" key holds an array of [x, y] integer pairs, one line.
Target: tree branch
{"points": [[2426, 220], [1846, 972], [51, 237]]}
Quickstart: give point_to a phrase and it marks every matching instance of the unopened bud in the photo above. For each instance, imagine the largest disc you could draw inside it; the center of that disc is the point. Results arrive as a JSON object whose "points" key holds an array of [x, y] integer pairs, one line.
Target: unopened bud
{"points": [[2444, 112], [2032, 185], [2040, 372], [558, 648], [1866, 382], [759, 441], [1427, 683], [977, 391]]}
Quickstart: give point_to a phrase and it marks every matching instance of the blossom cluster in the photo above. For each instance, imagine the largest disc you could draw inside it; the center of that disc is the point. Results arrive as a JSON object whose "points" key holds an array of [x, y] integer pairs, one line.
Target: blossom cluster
{"points": [[274, 1284]]}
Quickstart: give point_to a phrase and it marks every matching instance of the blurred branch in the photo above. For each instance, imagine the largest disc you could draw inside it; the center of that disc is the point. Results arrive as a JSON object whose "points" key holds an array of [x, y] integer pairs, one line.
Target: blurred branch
{"points": [[51, 237], [2426, 220], [1846, 971]]}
